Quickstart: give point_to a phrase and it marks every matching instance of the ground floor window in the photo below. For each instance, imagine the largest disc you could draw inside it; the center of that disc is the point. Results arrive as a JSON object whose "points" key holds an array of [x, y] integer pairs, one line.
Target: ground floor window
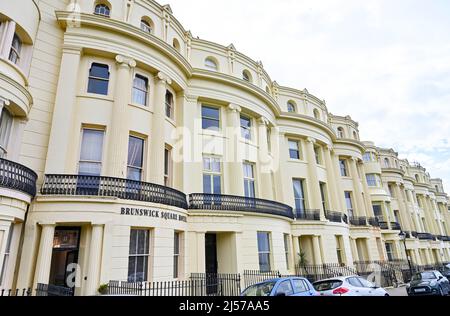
{"points": [[264, 251], [139, 254], [176, 255], [389, 251], [6, 255], [286, 249]]}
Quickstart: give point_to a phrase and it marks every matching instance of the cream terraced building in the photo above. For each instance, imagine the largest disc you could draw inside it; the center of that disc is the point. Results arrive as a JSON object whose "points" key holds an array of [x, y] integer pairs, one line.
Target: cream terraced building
{"points": [[135, 151]]}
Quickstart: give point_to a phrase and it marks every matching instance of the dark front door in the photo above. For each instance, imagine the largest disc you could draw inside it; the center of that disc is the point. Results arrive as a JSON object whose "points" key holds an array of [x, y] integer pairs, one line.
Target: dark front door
{"points": [[66, 243], [212, 287]]}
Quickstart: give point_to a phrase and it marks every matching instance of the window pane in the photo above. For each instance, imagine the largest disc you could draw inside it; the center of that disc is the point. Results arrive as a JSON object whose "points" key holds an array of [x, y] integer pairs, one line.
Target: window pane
{"points": [[98, 86], [285, 287], [135, 151], [133, 241], [263, 242], [264, 262], [207, 184], [131, 269], [92, 145], [90, 168], [134, 174], [5, 128], [210, 124], [217, 185], [210, 112], [99, 71], [299, 286], [215, 165]]}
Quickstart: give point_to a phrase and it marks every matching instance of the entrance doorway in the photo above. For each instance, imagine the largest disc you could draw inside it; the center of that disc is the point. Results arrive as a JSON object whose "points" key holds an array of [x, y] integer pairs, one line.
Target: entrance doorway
{"points": [[211, 265], [66, 245]]}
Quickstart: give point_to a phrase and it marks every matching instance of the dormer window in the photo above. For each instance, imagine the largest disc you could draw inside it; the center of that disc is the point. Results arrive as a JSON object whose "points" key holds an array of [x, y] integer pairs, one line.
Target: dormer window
{"points": [[246, 76], [146, 26], [340, 131], [291, 107], [102, 9], [316, 114], [211, 64]]}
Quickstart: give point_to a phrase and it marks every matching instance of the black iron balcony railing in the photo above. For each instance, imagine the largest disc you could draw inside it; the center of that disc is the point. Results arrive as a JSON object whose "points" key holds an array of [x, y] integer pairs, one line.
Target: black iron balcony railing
{"points": [[425, 236], [408, 234], [62, 184], [395, 226], [373, 221], [17, 177], [307, 215], [335, 217], [358, 221], [447, 238], [414, 234], [345, 218], [217, 202], [384, 225], [441, 238]]}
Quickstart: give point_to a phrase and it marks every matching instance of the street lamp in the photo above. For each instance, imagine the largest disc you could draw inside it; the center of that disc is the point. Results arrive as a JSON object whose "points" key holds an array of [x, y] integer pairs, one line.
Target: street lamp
{"points": [[403, 237]]}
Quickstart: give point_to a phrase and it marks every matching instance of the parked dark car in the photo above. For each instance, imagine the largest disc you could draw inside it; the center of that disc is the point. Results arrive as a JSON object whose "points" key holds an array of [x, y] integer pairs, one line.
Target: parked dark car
{"points": [[428, 283], [292, 286], [446, 271]]}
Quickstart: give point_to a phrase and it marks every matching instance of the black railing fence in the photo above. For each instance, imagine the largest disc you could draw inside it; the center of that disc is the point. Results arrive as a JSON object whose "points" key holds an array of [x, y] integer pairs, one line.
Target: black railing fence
{"points": [[384, 225], [58, 184], [358, 221], [324, 271], [335, 217], [53, 290], [200, 284], [307, 215], [373, 221], [16, 292], [18, 177], [395, 226], [218, 202]]}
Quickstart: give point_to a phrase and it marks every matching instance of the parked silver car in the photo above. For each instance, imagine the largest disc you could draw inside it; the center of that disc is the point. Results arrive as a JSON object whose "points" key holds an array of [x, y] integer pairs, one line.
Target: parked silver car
{"points": [[348, 286]]}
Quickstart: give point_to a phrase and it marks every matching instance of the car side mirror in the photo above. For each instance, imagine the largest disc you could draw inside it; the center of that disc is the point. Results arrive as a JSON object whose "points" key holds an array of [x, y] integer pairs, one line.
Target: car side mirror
{"points": [[440, 278]]}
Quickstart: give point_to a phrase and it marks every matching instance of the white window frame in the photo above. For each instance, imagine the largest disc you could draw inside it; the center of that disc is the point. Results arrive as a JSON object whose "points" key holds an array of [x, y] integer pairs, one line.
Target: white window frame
{"points": [[100, 162], [211, 173], [137, 89], [145, 254], [249, 182]]}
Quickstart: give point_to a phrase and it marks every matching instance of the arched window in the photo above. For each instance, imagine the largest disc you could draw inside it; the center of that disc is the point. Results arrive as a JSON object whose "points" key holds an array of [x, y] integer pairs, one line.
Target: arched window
{"points": [[176, 44], [211, 64], [387, 164], [147, 25], [417, 178], [340, 131], [437, 188], [247, 76], [316, 114], [291, 107], [102, 9], [5, 130], [16, 48], [355, 135]]}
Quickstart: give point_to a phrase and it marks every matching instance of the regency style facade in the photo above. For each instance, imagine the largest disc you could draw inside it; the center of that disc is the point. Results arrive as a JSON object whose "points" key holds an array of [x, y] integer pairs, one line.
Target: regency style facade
{"points": [[151, 154]]}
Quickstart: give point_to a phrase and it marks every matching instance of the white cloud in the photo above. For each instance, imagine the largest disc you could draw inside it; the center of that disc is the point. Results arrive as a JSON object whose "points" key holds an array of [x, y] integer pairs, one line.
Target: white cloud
{"points": [[385, 63]]}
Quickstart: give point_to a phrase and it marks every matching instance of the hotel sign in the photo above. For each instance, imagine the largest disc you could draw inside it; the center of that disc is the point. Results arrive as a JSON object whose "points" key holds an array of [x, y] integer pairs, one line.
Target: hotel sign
{"points": [[152, 213]]}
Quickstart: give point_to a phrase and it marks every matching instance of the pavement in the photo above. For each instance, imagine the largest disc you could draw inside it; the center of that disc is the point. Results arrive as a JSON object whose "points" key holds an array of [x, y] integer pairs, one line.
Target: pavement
{"points": [[399, 291]]}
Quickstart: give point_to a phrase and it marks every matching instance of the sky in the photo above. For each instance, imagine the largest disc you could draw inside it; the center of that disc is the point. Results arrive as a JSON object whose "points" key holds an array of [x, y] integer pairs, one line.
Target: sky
{"points": [[385, 63]]}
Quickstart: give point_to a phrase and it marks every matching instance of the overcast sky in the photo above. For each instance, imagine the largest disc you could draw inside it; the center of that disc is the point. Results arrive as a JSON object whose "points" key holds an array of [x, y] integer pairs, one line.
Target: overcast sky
{"points": [[384, 63]]}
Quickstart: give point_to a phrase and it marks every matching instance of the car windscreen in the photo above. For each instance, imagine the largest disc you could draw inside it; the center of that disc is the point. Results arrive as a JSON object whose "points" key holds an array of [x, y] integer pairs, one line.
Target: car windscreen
{"points": [[327, 285], [262, 289], [424, 276]]}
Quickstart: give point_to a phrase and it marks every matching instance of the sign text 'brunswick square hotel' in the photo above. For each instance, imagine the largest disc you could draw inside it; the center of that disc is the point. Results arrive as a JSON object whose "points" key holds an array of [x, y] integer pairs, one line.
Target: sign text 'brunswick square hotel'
{"points": [[133, 151]]}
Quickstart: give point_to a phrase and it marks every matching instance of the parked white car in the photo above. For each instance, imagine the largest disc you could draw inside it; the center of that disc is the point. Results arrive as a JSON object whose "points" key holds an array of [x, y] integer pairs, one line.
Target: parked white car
{"points": [[348, 286]]}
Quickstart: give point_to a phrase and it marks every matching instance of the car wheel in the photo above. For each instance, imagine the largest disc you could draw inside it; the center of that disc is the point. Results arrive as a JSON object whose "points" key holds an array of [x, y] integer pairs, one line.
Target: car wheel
{"points": [[386, 294]]}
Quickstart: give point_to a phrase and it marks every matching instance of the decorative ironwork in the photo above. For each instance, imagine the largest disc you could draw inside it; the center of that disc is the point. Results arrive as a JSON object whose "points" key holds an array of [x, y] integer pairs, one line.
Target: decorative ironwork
{"points": [[17, 177], [58, 184], [358, 221], [217, 202], [307, 215]]}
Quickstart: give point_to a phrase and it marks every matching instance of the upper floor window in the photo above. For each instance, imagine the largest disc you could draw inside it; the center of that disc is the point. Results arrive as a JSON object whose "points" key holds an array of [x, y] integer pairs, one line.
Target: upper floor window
{"points": [[343, 167], [340, 132], [210, 118], [373, 180], [140, 90], [246, 125], [98, 79], [247, 76], [176, 44], [102, 9], [212, 175], [299, 196], [16, 48], [211, 64], [167, 167], [368, 157], [316, 114], [355, 135], [387, 164], [249, 180], [146, 26], [317, 155], [169, 104], [91, 152], [349, 203], [138, 255], [176, 254], [5, 131], [291, 107], [294, 151], [417, 178], [135, 158], [323, 190]]}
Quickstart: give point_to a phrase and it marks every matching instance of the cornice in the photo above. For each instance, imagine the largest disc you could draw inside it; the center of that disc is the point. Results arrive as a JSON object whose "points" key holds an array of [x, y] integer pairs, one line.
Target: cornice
{"points": [[308, 120], [130, 31], [19, 87], [222, 77], [393, 170], [351, 142]]}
